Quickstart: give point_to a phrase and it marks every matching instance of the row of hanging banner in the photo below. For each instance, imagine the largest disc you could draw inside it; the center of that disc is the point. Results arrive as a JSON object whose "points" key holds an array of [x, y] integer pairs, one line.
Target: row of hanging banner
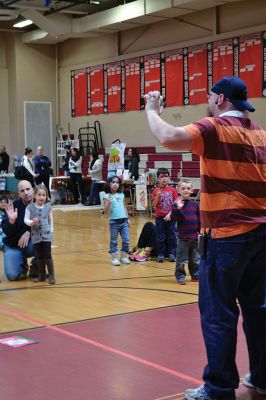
{"points": [[183, 76]]}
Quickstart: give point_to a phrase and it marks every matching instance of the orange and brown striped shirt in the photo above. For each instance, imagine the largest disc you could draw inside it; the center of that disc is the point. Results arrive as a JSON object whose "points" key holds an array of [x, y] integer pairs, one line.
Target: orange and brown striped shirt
{"points": [[232, 154]]}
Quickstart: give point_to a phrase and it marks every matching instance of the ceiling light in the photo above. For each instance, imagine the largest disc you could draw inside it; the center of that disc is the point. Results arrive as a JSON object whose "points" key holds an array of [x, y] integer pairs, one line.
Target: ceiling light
{"points": [[21, 24], [94, 2]]}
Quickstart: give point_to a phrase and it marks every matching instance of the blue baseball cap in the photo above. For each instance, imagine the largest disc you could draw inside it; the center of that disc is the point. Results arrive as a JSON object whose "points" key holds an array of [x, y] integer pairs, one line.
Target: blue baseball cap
{"points": [[235, 91]]}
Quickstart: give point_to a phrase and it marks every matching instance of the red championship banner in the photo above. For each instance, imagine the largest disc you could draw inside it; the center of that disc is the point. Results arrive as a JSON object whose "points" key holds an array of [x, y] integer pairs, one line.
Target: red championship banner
{"points": [[114, 87], [222, 59], [152, 73], [174, 77], [250, 63], [79, 92], [197, 73], [132, 84], [96, 89]]}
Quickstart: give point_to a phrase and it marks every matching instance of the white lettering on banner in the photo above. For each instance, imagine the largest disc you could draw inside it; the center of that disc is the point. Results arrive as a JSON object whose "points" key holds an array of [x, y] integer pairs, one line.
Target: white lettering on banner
{"points": [[195, 75], [148, 83], [97, 104], [95, 91], [248, 68], [194, 91]]}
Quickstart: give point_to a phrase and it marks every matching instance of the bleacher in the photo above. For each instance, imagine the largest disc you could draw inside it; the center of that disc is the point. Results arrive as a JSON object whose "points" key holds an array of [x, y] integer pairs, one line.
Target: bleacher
{"points": [[180, 164]]}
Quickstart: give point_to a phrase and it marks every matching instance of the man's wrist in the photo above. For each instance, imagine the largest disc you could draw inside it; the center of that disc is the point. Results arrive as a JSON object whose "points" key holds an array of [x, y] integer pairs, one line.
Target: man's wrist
{"points": [[152, 110]]}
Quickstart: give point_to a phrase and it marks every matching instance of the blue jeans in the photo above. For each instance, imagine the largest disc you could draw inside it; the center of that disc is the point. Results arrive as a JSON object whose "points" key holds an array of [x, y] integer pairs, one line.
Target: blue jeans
{"points": [[234, 268], [116, 227], [165, 237], [94, 193], [14, 258]]}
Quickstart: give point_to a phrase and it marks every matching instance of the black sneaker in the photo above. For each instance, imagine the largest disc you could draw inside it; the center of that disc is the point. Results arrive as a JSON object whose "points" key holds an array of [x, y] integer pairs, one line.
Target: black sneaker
{"points": [[160, 259]]}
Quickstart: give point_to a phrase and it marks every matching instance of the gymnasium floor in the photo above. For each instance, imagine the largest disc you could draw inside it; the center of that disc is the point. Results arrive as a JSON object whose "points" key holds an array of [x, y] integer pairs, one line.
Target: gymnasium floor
{"points": [[103, 332]]}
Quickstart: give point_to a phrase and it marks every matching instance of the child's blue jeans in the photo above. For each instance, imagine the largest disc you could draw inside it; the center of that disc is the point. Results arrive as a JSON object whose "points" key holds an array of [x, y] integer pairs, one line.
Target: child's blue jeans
{"points": [[119, 226]]}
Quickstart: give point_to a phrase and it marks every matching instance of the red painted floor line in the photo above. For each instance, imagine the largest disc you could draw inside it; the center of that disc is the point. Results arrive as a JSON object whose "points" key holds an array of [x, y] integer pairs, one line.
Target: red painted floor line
{"points": [[103, 346]]}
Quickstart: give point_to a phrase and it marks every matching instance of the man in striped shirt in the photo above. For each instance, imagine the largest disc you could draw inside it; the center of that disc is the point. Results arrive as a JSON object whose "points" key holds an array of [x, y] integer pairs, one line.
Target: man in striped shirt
{"points": [[232, 151]]}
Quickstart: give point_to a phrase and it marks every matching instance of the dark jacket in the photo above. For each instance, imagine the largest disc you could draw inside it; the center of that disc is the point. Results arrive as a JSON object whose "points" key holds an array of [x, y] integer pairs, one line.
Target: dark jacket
{"points": [[133, 166], [4, 162], [14, 231], [42, 165]]}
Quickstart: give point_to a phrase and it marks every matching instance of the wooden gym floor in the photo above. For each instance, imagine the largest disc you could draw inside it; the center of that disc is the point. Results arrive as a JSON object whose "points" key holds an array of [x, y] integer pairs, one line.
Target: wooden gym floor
{"points": [[104, 332]]}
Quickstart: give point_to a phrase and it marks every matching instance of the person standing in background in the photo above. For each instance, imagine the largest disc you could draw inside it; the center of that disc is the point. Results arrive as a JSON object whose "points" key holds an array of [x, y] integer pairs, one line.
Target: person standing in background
{"points": [[66, 159], [4, 160], [133, 163], [95, 171], [27, 162], [114, 204], [42, 167], [75, 163], [39, 217], [163, 199]]}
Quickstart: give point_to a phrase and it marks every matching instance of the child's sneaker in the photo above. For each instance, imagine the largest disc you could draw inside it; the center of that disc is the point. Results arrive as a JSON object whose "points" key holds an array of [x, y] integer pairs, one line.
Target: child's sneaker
{"points": [[247, 382], [144, 257], [160, 259], [124, 260], [137, 252], [171, 258], [115, 262], [181, 280]]}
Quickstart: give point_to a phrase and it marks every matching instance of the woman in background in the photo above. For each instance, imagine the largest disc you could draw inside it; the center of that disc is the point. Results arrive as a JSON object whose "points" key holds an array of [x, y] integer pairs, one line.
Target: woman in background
{"points": [[133, 163], [75, 174], [95, 171], [27, 162]]}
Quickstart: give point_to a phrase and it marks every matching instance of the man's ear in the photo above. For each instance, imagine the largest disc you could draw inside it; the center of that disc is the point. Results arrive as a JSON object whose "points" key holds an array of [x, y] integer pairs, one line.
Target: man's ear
{"points": [[220, 99]]}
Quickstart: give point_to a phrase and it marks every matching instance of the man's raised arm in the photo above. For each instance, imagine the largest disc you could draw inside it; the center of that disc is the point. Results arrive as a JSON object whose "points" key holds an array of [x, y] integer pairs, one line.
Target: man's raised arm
{"points": [[174, 138]]}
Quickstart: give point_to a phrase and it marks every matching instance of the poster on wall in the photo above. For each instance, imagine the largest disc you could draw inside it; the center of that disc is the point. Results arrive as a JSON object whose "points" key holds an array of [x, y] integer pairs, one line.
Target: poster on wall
{"points": [[197, 73], [174, 78], [96, 89], [114, 86], [250, 63], [79, 79], [60, 146], [222, 59]]}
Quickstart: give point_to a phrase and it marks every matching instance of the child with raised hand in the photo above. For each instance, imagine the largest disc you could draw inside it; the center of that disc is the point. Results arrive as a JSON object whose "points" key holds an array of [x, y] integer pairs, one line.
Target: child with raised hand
{"points": [[163, 198], [187, 216], [114, 204], [39, 217]]}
